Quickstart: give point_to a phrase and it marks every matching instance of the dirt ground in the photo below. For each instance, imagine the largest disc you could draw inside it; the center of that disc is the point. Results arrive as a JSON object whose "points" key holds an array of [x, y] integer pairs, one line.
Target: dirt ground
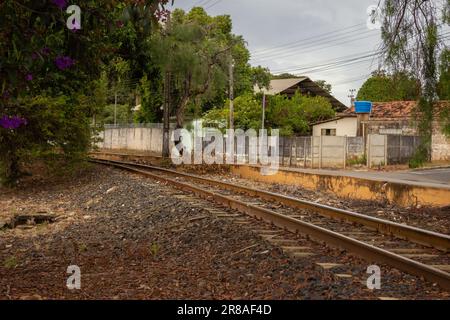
{"points": [[132, 239]]}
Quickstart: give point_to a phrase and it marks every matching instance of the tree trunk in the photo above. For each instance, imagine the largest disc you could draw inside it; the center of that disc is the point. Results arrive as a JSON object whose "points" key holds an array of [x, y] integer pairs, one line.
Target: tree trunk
{"points": [[180, 112]]}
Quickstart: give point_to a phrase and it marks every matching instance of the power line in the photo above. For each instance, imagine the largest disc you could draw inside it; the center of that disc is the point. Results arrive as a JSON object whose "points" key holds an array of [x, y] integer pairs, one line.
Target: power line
{"points": [[308, 43], [351, 80], [314, 48], [327, 34], [201, 3], [215, 3], [330, 62]]}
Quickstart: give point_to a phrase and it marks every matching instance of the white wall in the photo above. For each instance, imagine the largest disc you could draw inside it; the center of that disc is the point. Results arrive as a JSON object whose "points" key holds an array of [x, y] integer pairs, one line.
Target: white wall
{"points": [[344, 127]]}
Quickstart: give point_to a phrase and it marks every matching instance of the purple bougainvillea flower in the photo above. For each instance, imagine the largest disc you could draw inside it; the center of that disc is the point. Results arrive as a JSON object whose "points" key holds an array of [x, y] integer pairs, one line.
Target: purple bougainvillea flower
{"points": [[45, 51], [29, 77], [34, 56], [64, 62], [119, 24], [13, 122], [60, 3]]}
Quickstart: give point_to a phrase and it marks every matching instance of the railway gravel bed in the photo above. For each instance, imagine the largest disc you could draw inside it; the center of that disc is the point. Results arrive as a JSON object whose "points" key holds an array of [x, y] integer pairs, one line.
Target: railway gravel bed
{"points": [[134, 238], [433, 219]]}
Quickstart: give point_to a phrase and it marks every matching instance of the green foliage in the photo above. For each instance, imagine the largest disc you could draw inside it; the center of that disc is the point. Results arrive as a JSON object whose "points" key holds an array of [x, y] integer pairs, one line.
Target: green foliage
{"points": [[362, 160], [405, 51], [10, 262], [58, 100], [196, 51], [293, 116], [247, 114], [290, 116], [57, 126], [382, 87], [324, 85], [123, 114], [419, 158], [284, 76], [444, 119], [444, 79], [151, 101]]}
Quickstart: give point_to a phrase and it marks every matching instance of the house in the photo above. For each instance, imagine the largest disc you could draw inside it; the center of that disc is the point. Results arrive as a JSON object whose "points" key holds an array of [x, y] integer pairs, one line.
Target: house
{"points": [[385, 118], [305, 86]]}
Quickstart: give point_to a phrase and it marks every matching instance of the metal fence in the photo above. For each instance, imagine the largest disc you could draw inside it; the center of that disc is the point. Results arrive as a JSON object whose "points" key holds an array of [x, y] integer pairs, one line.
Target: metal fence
{"points": [[304, 152]]}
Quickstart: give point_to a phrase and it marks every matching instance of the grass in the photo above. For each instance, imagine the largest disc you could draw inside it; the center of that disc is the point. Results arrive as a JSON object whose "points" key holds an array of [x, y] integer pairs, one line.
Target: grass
{"points": [[10, 263], [154, 249], [357, 161]]}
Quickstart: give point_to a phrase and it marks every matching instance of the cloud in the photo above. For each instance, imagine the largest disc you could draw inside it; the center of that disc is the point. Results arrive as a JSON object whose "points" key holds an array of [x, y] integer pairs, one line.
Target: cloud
{"points": [[268, 24]]}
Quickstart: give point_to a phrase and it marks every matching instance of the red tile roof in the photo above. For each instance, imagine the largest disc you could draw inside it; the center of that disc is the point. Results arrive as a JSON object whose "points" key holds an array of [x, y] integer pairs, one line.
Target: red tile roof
{"points": [[391, 110]]}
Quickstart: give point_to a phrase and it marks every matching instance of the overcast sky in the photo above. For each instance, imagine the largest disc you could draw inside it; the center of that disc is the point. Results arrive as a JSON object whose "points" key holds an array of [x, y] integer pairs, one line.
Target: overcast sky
{"points": [[313, 33]]}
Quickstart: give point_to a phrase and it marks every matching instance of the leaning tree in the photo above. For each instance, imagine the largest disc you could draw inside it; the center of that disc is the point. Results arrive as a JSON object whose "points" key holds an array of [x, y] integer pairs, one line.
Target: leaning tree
{"points": [[414, 34]]}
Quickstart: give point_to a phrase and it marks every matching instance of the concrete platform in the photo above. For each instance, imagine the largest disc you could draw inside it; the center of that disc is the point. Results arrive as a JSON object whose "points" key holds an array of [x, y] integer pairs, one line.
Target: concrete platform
{"points": [[438, 178], [429, 187], [407, 188]]}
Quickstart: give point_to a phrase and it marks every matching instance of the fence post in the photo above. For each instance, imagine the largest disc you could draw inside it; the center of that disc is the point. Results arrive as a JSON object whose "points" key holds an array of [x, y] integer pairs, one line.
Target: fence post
{"points": [[386, 147], [304, 152], [367, 147], [345, 151], [320, 152]]}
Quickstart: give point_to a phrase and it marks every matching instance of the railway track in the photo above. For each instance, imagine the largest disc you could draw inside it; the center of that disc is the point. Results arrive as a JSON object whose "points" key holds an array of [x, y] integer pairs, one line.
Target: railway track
{"points": [[413, 250]]}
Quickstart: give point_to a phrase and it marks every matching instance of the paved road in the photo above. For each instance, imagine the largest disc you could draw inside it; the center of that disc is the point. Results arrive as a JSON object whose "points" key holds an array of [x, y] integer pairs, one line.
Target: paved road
{"points": [[436, 177], [432, 175]]}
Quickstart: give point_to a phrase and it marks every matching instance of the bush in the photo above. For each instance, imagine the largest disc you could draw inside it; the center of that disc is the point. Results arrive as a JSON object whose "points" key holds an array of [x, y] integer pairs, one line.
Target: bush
{"points": [[52, 128]]}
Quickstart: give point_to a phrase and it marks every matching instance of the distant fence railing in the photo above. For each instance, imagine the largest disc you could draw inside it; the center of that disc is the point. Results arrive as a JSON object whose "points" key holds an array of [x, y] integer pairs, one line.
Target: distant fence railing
{"points": [[305, 152]]}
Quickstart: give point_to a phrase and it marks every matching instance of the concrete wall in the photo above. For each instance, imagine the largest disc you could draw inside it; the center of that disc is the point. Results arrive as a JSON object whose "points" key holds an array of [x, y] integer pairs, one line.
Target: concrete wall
{"points": [[400, 149], [440, 149], [376, 150], [329, 152], [353, 187], [129, 138], [344, 127], [307, 152], [390, 127], [355, 147]]}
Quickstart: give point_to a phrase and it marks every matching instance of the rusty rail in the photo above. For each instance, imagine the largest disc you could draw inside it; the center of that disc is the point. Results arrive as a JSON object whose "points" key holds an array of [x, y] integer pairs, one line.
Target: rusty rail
{"points": [[367, 251], [413, 234]]}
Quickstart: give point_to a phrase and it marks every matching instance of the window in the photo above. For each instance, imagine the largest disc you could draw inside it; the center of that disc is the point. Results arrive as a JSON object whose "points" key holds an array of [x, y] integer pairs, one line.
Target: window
{"points": [[328, 132]]}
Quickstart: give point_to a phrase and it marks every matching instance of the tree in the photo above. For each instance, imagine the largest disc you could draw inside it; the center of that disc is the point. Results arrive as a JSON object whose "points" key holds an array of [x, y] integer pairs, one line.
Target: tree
{"points": [[324, 85], [292, 116], [49, 76], [383, 87], [410, 34], [444, 79], [196, 50], [247, 114], [284, 76]]}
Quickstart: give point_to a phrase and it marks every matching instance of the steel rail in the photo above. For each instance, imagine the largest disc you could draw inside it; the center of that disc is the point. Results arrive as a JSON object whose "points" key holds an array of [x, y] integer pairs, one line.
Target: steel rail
{"points": [[401, 231], [364, 250]]}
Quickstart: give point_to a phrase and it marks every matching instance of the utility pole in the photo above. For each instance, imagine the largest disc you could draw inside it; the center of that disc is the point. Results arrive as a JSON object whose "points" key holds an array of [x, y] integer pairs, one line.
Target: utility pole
{"points": [[232, 94], [115, 106], [166, 115], [352, 97], [263, 111]]}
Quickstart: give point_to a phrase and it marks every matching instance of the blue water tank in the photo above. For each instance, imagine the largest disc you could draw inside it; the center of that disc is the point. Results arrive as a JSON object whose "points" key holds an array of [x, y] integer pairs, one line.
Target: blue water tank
{"points": [[363, 106]]}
